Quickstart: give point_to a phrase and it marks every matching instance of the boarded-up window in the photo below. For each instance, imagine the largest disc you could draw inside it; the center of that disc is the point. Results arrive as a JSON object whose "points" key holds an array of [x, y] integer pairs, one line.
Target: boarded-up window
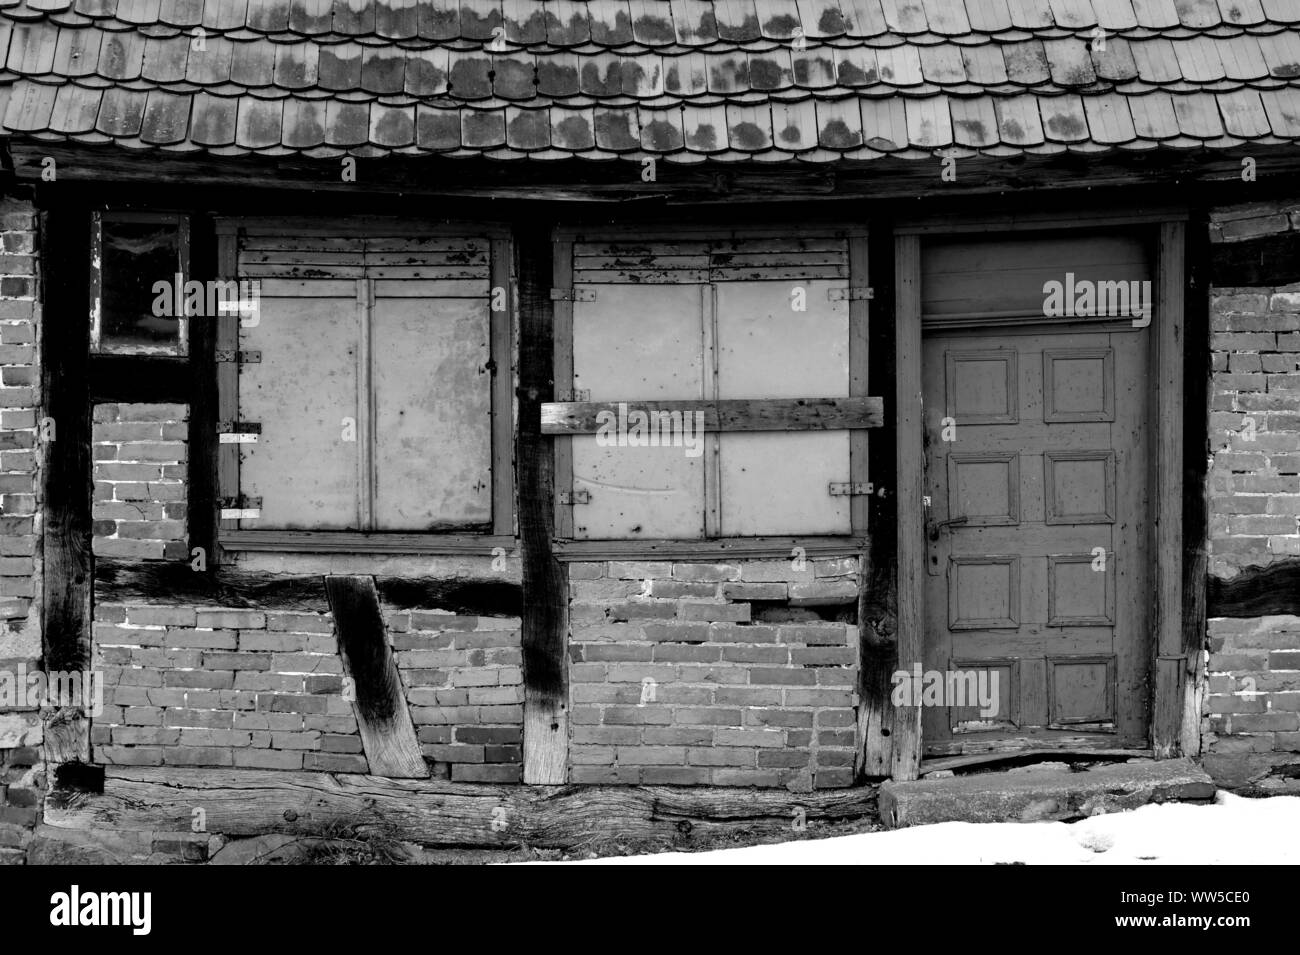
{"points": [[711, 321], [369, 388], [140, 304]]}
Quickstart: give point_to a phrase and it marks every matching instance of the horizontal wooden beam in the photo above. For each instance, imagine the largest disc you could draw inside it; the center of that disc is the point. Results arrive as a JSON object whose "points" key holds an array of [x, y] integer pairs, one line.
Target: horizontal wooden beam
{"points": [[438, 813], [775, 547], [140, 378], [1271, 590], [173, 582], [724, 183], [768, 414], [348, 542]]}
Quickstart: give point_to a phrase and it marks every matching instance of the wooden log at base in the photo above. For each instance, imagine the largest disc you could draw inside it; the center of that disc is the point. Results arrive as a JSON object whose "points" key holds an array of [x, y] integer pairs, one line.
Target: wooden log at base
{"points": [[238, 803]]}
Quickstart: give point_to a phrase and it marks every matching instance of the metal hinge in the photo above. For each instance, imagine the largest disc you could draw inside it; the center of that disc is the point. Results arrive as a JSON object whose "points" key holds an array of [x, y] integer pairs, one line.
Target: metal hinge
{"points": [[239, 357], [238, 432], [849, 489], [240, 508], [575, 497], [854, 293], [573, 295], [577, 394]]}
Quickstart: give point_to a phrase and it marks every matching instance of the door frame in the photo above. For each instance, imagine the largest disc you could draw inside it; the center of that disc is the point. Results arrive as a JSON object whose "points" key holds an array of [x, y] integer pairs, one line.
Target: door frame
{"points": [[1174, 717]]}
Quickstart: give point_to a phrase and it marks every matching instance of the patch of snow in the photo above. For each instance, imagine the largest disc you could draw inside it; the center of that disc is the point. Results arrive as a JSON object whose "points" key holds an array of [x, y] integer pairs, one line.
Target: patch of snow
{"points": [[1233, 830]]}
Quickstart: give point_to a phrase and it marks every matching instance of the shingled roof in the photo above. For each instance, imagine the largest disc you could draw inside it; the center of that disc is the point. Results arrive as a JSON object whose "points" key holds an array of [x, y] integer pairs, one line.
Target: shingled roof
{"points": [[688, 80]]}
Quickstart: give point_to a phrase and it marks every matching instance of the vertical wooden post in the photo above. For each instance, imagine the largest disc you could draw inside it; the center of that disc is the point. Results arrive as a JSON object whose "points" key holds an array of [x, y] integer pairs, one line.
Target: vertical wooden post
{"points": [[201, 485], [545, 614], [65, 390], [878, 600], [1174, 673], [1196, 503], [906, 755]]}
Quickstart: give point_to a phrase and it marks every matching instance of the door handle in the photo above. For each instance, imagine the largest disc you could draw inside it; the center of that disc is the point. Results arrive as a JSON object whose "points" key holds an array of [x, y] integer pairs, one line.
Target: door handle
{"points": [[935, 528]]}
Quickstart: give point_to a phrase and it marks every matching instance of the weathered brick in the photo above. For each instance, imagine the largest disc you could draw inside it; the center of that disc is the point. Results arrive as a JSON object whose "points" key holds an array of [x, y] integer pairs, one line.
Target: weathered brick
{"points": [[486, 773], [706, 716], [755, 591], [231, 619], [706, 572], [637, 715], [161, 616], [710, 612], [676, 632], [639, 569]]}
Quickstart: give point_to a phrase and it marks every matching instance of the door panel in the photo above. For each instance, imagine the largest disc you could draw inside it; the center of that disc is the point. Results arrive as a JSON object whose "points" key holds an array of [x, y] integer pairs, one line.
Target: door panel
{"points": [[1037, 466]]}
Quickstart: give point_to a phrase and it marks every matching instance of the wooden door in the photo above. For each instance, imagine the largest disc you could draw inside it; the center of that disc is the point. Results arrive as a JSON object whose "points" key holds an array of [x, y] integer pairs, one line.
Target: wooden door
{"points": [[1038, 564]]}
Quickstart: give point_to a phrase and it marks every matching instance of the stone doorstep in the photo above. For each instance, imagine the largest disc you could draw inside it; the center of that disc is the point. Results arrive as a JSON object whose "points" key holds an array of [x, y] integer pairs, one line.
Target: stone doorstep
{"points": [[1037, 795]]}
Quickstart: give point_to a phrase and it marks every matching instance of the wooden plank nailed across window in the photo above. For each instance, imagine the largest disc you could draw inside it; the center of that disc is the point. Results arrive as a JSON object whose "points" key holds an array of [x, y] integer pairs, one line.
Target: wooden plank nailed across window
{"points": [[773, 414]]}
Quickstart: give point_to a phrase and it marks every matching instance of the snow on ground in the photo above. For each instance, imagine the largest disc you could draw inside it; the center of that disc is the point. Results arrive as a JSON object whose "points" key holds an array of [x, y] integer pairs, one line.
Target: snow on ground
{"points": [[1233, 830]]}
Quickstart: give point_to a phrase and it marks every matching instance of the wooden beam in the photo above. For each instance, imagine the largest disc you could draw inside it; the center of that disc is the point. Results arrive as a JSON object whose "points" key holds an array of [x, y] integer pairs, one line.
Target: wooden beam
{"points": [[201, 373], [906, 737], [140, 378], [545, 616], [68, 562], [356, 542], [384, 719], [579, 180], [1257, 591], [173, 583], [1197, 375], [437, 813], [723, 547], [1269, 260], [878, 589], [1174, 672], [767, 414]]}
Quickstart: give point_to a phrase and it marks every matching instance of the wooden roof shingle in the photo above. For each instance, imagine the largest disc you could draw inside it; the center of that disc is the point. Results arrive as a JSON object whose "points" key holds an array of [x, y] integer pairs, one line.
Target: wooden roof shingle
{"points": [[722, 80]]}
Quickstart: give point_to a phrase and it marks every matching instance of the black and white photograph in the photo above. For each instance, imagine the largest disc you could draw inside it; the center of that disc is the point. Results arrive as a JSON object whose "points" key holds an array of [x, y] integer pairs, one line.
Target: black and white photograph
{"points": [[489, 433]]}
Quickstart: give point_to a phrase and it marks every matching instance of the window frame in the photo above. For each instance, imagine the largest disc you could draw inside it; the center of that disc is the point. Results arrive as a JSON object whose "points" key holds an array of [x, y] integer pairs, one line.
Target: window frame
{"points": [[567, 548], [502, 330], [181, 348]]}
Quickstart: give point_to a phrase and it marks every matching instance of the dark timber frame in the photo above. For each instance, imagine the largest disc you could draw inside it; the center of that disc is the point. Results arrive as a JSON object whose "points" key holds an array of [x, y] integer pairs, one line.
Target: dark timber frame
{"points": [[533, 198], [1174, 728]]}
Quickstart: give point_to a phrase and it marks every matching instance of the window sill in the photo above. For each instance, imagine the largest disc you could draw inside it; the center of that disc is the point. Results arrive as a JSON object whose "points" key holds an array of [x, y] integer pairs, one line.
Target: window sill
{"points": [[728, 547], [351, 542]]}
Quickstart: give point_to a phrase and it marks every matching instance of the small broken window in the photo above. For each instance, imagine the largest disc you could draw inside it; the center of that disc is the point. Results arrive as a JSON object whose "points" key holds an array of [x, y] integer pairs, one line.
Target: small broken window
{"points": [[139, 263]]}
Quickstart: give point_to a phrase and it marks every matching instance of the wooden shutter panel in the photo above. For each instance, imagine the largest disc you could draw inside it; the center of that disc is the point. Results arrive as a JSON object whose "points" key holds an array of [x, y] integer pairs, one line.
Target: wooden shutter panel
{"points": [[432, 387], [775, 482], [638, 343], [395, 333], [308, 332]]}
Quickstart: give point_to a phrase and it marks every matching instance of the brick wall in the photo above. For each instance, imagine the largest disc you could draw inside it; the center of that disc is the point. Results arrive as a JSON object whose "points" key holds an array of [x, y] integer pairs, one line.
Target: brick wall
{"points": [[718, 674], [20, 494], [139, 470], [212, 686], [1252, 709], [465, 690]]}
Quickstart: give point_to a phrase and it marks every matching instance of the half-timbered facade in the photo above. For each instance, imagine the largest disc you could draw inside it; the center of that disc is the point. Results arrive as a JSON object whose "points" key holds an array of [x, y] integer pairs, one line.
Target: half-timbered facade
{"points": [[646, 392]]}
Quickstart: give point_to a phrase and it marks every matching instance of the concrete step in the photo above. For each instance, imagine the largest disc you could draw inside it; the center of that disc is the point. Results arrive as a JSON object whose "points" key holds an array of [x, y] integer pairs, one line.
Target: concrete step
{"points": [[1035, 794]]}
